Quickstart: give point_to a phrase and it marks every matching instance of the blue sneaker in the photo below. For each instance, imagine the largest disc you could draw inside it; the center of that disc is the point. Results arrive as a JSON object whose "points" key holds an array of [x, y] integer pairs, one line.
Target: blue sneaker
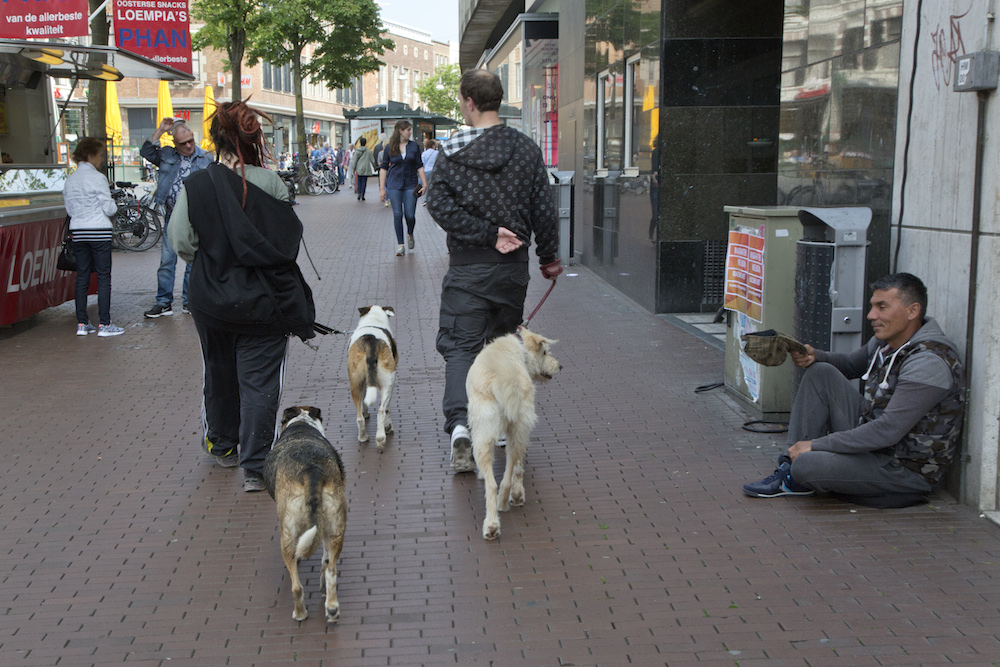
{"points": [[779, 483]]}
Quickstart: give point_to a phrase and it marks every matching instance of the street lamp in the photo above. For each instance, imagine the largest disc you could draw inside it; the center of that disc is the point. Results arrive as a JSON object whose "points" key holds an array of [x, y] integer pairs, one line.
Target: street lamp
{"points": [[439, 86]]}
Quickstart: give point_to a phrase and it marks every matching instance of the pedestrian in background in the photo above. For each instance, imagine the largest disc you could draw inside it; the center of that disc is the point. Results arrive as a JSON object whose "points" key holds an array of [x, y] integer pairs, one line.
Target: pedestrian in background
{"points": [[429, 156], [175, 162], [399, 174], [233, 222], [377, 153], [363, 165], [89, 204], [349, 165]]}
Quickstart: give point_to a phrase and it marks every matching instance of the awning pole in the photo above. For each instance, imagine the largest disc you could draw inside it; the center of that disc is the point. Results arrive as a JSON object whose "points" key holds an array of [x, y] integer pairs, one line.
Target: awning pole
{"points": [[62, 112], [98, 11]]}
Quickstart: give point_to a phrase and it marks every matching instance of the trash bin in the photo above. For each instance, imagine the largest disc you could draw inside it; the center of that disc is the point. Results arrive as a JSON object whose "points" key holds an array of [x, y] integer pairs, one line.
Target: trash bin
{"points": [[771, 233], [830, 277], [565, 194]]}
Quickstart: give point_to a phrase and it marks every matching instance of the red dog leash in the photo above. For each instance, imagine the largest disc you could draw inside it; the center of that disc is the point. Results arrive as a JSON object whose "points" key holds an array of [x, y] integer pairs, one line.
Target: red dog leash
{"points": [[544, 297]]}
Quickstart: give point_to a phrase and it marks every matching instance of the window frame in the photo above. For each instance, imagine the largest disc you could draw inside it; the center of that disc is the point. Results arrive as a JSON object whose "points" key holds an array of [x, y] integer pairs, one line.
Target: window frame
{"points": [[631, 69]]}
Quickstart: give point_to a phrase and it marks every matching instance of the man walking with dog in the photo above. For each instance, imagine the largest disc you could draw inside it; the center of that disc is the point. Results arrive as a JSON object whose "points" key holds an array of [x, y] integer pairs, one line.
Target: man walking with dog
{"points": [[892, 445], [491, 193]]}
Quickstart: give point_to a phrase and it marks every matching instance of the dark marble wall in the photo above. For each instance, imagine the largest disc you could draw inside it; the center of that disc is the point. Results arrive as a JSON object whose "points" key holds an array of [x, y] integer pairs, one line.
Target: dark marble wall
{"points": [[657, 235], [760, 103]]}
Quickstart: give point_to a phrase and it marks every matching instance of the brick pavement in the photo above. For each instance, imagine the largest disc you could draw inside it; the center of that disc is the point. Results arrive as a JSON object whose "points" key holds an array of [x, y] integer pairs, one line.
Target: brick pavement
{"points": [[121, 543]]}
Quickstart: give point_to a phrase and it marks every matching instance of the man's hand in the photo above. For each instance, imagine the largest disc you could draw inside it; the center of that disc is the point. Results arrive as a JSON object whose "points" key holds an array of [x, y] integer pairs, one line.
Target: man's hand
{"points": [[804, 359], [800, 447], [165, 126], [551, 270], [507, 241]]}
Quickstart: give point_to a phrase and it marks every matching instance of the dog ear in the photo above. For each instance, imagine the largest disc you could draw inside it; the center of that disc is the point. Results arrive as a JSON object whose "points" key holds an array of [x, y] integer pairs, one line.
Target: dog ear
{"points": [[532, 342], [289, 414], [316, 414], [364, 310], [389, 311]]}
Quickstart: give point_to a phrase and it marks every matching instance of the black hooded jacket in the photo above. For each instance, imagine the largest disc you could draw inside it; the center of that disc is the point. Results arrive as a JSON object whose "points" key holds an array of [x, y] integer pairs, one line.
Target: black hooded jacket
{"points": [[244, 277], [497, 180]]}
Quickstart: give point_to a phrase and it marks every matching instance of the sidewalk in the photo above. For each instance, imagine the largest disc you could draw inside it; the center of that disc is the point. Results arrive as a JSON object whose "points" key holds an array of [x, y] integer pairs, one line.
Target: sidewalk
{"points": [[122, 543]]}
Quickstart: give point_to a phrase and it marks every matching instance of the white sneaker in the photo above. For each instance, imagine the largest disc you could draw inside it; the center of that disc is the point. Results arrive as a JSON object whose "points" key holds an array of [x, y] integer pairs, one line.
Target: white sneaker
{"points": [[400, 250], [109, 330], [84, 329], [461, 450]]}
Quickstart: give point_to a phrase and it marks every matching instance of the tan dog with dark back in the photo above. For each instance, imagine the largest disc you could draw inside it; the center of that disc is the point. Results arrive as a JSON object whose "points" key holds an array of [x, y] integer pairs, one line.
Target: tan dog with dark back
{"points": [[305, 476], [371, 367], [501, 391]]}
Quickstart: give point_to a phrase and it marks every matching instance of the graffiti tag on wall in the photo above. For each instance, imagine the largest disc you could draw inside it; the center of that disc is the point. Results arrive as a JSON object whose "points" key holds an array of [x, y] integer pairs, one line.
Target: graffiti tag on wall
{"points": [[948, 47]]}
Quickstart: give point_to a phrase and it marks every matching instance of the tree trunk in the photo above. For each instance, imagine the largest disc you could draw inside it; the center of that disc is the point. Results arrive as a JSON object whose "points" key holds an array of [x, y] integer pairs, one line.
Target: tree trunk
{"points": [[300, 121], [237, 47], [97, 93]]}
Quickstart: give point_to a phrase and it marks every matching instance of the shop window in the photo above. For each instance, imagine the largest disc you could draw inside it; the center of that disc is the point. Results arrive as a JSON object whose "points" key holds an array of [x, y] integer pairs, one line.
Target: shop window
{"points": [[641, 114]]}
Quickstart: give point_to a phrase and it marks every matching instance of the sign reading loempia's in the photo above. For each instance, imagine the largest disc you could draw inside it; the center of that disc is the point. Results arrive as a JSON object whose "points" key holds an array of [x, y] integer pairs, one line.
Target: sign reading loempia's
{"points": [[155, 29]]}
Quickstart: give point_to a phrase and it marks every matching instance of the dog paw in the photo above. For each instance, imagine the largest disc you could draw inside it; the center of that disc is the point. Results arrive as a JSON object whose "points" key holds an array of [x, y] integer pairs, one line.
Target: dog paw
{"points": [[333, 614], [362, 437], [300, 617], [491, 530], [380, 443], [517, 498], [388, 427]]}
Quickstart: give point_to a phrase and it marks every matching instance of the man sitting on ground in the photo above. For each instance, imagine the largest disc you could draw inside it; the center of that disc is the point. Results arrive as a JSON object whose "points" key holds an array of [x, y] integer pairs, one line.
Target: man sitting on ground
{"points": [[892, 445]]}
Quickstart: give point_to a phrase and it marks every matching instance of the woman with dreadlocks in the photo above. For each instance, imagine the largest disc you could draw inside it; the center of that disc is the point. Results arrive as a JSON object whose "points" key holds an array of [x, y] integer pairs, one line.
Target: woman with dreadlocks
{"points": [[233, 223]]}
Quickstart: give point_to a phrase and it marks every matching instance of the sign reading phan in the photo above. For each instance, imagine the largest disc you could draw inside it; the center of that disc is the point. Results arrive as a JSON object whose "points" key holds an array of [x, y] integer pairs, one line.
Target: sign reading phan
{"points": [[45, 19], [155, 29]]}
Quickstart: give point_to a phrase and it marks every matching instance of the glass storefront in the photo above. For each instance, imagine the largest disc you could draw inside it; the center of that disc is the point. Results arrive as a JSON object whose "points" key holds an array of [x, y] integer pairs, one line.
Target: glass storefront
{"points": [[527, 62]]}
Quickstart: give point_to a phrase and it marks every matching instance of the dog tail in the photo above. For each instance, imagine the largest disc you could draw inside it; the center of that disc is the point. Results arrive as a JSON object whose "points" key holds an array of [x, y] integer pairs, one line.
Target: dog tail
{"points": [[305, 544], [371, 358]]}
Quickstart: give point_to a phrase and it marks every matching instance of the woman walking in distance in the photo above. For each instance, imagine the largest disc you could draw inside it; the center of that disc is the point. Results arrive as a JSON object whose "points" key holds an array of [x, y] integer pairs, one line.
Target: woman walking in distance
{"points": [[399, 173], [363, 165], [233, 222], [90, 207]]}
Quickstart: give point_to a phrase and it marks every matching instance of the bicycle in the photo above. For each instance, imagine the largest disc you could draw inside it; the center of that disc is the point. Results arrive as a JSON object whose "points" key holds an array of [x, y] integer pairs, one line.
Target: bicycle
{"points": [[137, 226]]}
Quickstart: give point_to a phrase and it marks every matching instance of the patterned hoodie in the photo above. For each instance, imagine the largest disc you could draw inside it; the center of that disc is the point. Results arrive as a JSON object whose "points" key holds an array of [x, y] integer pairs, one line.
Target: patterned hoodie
{"points": [[913, 405], [498, 179]]}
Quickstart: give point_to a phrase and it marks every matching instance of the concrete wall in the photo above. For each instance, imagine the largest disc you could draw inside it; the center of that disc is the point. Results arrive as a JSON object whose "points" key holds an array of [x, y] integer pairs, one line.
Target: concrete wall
{"points": [[933, 200]]}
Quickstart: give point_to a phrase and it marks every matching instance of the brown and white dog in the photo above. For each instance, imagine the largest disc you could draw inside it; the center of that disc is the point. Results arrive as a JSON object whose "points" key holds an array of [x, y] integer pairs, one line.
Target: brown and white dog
{"points": [[371, 368], [501, 391], [305, 476]]}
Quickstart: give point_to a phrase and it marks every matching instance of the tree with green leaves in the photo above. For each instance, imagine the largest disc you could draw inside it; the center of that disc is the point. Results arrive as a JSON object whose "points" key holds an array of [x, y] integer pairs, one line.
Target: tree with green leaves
{"points": [[227, 24], [329, 41], [444, 100]]}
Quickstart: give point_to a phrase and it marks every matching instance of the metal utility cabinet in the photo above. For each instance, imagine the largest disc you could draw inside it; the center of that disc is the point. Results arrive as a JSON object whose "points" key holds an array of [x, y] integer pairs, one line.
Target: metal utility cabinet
{"points": [[765, 392]]}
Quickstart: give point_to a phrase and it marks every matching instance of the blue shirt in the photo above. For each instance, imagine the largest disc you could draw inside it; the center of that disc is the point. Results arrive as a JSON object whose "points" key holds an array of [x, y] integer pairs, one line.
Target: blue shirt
{"points": [[402, 171]]}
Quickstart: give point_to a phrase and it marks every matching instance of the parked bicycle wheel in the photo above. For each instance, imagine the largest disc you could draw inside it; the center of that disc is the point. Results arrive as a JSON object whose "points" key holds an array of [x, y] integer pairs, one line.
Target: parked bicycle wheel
{"points": [[330, 183], [313, 185], [137, 228]]}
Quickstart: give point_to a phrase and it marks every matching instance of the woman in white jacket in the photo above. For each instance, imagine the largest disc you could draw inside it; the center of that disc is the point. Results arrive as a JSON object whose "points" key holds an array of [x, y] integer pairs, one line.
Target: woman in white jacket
{"points": [[90, 207]]}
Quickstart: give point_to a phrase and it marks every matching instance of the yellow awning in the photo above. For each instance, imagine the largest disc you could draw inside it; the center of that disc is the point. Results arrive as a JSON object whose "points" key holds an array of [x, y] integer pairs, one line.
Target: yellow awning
{"points": [[164, 109]]}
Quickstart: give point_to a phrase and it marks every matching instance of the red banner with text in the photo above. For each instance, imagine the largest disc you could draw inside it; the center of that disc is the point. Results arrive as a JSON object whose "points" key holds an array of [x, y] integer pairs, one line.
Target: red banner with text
{"points": [[31, 281], [155, 29], [44, 19]]}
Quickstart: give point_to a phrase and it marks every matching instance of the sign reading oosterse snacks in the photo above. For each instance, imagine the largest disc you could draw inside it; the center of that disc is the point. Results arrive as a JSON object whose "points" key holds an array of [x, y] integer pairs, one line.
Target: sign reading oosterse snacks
{"points": [[155, 29]]}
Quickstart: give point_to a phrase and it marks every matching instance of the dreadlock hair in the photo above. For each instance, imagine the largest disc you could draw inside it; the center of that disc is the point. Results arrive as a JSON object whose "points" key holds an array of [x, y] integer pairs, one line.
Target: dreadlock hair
{"points": [[395, 138], [236, 130]]}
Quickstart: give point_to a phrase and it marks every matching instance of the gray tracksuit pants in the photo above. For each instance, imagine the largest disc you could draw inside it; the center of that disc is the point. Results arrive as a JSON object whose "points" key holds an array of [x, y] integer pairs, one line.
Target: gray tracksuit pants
{"points": [[827, 402]]}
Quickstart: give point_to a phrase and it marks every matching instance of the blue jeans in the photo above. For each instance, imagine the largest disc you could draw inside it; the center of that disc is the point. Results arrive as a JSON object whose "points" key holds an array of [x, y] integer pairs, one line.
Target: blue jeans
{"points": [[165, 274], [404, 204], [93, 256]]}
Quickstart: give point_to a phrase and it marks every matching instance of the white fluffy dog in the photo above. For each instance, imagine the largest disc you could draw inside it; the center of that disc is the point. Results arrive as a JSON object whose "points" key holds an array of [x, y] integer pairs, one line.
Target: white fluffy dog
{"points": [[501, 391]]}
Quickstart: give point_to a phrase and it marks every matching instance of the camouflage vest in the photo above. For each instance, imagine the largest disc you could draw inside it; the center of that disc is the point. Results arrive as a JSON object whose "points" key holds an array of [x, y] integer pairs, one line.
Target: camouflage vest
{"points": [[929, 447]]}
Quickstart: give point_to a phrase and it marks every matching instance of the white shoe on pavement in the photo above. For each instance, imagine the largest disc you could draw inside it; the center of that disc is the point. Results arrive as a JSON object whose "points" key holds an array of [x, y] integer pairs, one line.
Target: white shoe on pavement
{"points": [[106, 330], [461, 450]]}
